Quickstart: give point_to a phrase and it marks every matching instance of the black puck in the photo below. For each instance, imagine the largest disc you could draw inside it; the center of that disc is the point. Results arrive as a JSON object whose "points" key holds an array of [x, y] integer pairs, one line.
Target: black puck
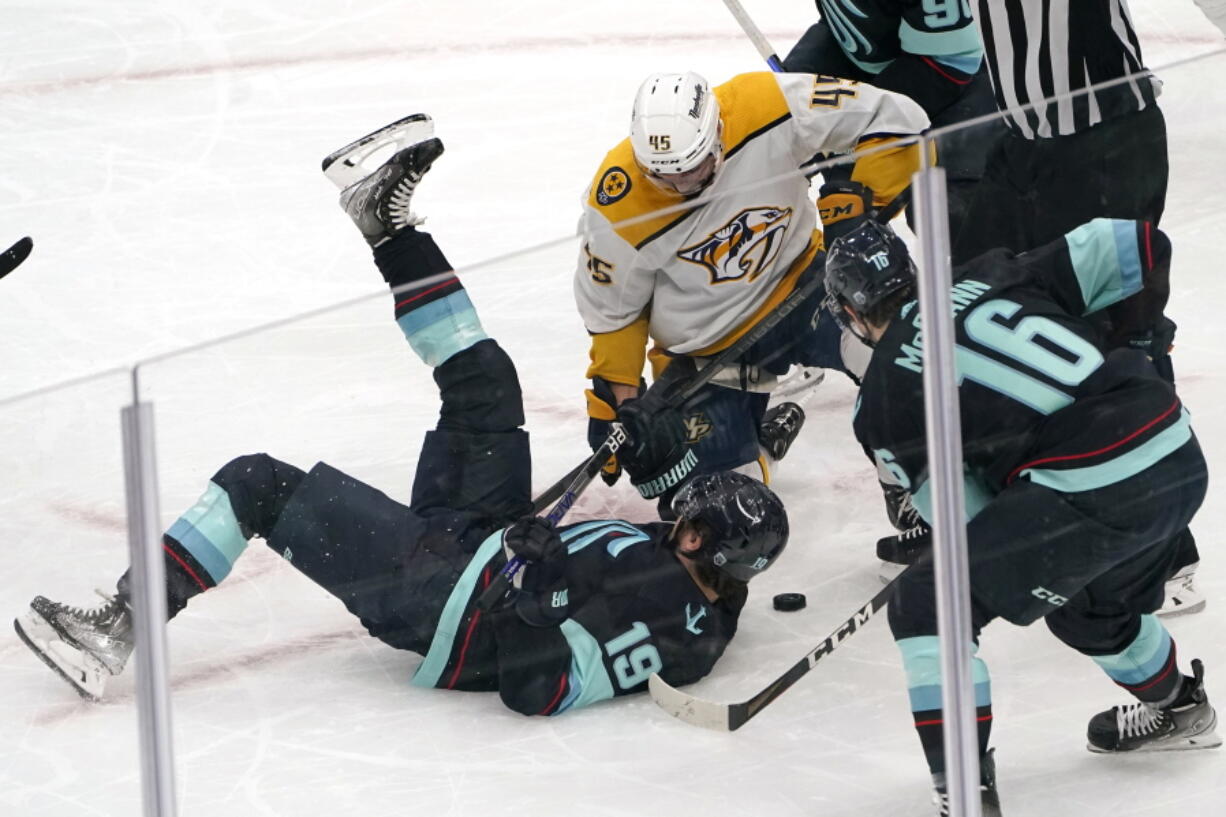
{"points": [[790, 602]]}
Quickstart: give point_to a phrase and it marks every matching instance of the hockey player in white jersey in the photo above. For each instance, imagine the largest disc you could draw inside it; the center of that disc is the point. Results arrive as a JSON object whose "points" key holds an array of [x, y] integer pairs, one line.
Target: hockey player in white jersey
{"points": [[699, 224]]}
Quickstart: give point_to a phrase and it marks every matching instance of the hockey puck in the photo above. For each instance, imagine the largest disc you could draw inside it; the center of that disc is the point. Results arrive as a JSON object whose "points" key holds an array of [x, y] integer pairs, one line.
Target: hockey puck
{"points": [[790, 602]]}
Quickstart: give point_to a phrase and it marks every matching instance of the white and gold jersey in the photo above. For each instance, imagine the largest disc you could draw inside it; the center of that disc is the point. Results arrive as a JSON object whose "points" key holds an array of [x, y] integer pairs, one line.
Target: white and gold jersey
{"points": [[696, 279]]}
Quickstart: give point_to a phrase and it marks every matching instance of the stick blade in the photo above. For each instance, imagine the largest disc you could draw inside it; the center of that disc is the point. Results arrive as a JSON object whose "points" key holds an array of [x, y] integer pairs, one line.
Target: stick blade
{"points": [[11, 258], [684, 706]]}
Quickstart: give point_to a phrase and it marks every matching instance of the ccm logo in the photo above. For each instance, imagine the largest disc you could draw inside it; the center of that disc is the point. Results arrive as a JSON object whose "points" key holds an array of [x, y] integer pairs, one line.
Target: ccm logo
{"points": [[1048, 596]]}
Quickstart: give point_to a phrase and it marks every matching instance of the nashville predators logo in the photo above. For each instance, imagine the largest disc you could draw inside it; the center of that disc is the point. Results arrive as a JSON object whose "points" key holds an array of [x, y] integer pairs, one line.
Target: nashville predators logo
{"points": [[697, 427], [614, 185], [743, 247]]}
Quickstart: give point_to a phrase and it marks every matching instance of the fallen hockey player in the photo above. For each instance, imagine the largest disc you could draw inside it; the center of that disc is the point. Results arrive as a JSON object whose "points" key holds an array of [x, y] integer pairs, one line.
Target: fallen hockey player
{"points": [[597, 608]]}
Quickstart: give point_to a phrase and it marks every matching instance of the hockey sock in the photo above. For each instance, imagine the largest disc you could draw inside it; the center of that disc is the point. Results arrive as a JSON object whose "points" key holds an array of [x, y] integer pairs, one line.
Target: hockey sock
{"points": [[922, 664], [1146, 667], [185, 578], [412, 256], [437, 317]]}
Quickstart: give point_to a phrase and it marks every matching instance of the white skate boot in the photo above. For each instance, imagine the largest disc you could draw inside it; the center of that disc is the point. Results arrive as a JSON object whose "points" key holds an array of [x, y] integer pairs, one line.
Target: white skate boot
{"points": [[85, 647], [1182, 597]]}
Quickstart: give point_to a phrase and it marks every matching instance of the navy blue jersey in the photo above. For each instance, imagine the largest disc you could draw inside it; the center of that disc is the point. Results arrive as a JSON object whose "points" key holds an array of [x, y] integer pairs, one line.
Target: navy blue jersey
{"points": [[634, 610], [1039, 397], [873, 33]]}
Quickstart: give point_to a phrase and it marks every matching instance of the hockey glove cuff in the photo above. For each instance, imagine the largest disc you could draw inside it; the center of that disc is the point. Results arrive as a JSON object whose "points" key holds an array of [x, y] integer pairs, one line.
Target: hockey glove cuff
{"points": [[843, 205], [601, 412], [655, 453], [541, 599]]}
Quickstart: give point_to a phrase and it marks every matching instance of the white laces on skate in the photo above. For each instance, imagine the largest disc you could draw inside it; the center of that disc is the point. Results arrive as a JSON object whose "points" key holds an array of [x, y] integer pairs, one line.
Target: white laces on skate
{"points": [[916, 532], [1139, 719], [398, 202], [92, 615]]}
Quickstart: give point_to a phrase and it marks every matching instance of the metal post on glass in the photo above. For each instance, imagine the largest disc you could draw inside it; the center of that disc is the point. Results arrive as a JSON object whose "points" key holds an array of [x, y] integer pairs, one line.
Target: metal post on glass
{"points": [[148, 607], [944, 429]]}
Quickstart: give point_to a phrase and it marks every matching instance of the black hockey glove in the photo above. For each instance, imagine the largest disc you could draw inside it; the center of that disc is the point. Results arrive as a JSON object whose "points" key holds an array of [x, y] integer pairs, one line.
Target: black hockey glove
{"points": [[541, 599], [843, 205], [1156, 344], [655, 453]]}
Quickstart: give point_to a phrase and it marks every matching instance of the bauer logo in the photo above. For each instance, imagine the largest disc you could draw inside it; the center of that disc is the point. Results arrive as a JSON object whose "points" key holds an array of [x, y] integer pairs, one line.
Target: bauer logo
{"points": [[613, 187]]}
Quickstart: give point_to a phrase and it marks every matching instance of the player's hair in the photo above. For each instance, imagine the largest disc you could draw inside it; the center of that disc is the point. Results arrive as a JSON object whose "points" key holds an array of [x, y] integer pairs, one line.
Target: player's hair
{"points": [[733, 591], [882, 312]]}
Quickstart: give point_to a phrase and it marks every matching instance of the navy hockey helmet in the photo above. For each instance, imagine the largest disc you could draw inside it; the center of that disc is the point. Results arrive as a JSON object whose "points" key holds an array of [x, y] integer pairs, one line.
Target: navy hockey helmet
{"points": [[864, 267], [749, 522]]}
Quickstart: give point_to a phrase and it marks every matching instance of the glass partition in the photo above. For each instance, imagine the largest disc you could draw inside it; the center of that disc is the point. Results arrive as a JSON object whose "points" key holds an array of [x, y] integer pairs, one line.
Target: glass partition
{"points": [[284, 702], [63, 522]]}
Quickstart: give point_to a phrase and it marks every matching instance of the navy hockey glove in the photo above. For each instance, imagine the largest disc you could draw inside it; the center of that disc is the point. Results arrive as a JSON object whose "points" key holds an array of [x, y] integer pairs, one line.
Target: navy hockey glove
{"points": [[655, 453], [1156, 344], [541, 599], [843, 205]]}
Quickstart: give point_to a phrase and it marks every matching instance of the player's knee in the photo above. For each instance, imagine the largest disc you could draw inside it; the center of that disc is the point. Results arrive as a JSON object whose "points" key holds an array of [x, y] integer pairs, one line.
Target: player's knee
{"points": [[245, 470], [1096, 635], [480, 391], [912, 611]]}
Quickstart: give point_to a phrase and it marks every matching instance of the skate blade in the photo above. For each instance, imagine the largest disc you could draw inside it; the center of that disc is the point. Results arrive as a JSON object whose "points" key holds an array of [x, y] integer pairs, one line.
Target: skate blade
{"points": [[346, 167], [798, 383], [1181, 610], [88, 678]]}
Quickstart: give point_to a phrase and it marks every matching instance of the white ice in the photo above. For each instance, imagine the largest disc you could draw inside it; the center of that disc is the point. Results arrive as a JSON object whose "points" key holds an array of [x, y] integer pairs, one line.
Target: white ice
{"points": [[164, 156]]}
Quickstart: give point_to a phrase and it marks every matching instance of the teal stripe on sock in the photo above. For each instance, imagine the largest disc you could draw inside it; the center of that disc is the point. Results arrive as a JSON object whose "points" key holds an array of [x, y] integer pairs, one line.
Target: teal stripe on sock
{"points": [[431, 669], [921, 660], [1143, 658], [442, 328], [209, 531]]}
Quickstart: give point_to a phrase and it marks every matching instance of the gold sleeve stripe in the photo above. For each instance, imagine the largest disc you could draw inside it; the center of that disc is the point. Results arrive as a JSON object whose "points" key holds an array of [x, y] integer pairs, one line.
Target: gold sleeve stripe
{"points": [[784, 288], [888, 171], [598, 409], [749, 105], [619, 356]]}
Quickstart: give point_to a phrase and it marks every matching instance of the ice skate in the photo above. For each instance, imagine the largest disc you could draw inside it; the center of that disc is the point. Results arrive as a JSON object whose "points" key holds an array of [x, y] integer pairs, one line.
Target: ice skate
{"points": [[379, 203], [799, 382], [989, 798], [903, 549], [779, 428], [85, 646], [347, 166], [1182, 596], [1188, 723]]}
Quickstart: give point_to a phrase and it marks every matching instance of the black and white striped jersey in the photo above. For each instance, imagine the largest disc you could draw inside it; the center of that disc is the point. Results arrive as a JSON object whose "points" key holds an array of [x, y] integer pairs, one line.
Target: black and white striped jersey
{"points": [[1040, 49]]}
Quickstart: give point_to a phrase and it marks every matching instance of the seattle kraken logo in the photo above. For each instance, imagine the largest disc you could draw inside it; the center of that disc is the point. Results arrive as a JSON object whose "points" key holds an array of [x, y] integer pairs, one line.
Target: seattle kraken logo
{"points": [[743, 247], [851, 39]]}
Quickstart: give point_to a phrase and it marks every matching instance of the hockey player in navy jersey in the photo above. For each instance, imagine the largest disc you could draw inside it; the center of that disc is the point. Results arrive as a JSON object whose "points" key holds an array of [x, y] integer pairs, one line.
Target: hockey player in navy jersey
{"points": [[599, 605], [929, 51], [1080, 466]]}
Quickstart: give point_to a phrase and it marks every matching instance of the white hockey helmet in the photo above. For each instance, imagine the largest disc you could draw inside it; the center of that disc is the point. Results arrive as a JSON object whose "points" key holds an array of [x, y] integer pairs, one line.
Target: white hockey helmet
{"points": [[675, 131]]}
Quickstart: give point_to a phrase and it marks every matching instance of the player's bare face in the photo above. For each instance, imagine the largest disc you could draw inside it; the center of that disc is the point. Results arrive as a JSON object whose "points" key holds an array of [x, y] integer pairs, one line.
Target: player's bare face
{"points": [[689, 182]]}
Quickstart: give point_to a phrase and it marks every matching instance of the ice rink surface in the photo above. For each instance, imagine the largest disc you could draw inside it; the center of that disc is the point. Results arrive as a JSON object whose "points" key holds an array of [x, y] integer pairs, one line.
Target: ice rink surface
{"points": [[164, 156]]}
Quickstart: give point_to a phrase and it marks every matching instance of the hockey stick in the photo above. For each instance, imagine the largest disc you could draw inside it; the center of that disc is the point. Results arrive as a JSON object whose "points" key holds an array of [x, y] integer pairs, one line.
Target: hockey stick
{"points": [[730, 717], [677, 397], [11, 258], [755, 35]]}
